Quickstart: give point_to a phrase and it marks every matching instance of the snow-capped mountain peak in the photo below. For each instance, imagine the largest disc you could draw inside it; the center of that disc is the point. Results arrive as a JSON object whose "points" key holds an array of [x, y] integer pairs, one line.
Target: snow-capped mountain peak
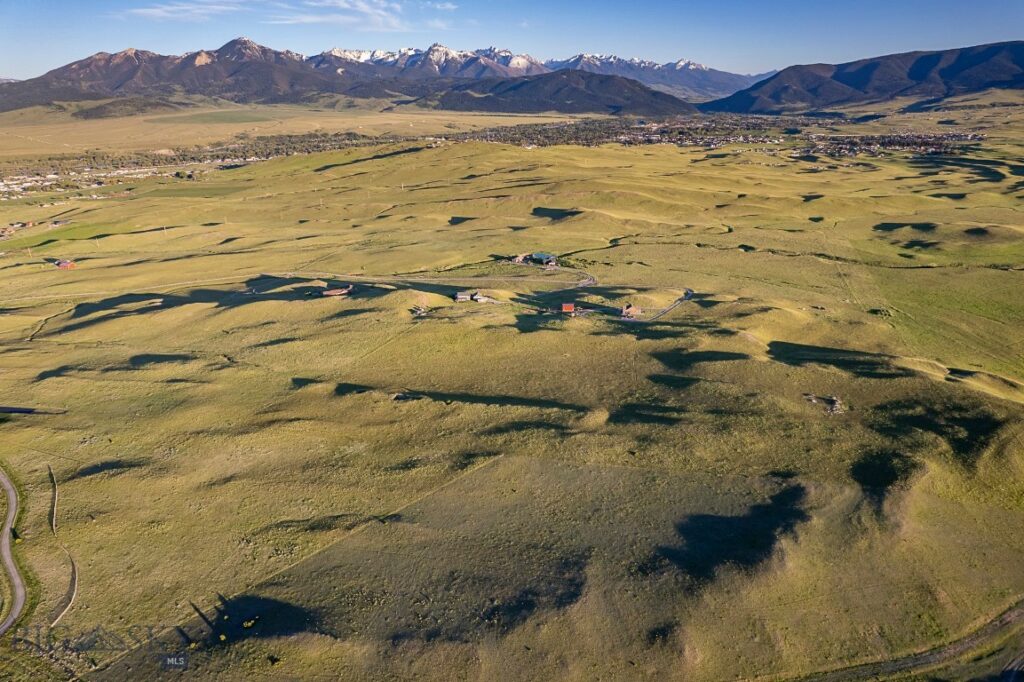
{"points": [[689, 65], [684, 78]]}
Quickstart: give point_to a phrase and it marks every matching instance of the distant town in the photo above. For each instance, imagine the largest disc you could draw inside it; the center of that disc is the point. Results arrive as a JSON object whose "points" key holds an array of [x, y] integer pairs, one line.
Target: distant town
{"points": [[70, 173]]}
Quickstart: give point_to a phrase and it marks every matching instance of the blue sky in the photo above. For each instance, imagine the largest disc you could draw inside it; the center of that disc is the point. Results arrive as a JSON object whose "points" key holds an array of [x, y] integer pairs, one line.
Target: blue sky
{"points": [[734, 35]]}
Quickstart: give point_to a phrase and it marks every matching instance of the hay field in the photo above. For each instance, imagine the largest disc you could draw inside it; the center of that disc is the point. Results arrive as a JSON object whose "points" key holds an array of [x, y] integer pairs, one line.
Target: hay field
{"points": [[41, 131], [548, 496]]}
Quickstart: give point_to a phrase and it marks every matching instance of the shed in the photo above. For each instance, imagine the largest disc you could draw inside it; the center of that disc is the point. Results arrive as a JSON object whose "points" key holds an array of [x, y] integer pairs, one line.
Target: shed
{"points": [[544, 259], [65, 264], [569, 308], [465, 296]]}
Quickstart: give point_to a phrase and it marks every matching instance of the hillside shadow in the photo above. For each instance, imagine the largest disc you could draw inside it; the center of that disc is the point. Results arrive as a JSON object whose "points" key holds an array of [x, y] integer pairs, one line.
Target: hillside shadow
{"points": [[9, 409], [498, 400], [921, 244], [660, 330], [349, 312], [147, 359], [319, 523], [879, 473], [248, 617], [706, 301], [276, 342], [711, 542], [646, 413], [967, 428], [555, 213], [109, 466], [865, 365], [55, 373], [982, 170], [676, 383], [343, 389], [465, 460], [259, 289], [682, 360], [525, 425], [527, 323], [375, 157], [917, 227]]}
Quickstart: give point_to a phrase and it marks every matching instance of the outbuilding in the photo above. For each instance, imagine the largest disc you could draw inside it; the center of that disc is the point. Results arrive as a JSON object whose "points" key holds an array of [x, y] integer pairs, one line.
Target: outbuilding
{"points": [[465, 296], [544, 259], [65, 265]]}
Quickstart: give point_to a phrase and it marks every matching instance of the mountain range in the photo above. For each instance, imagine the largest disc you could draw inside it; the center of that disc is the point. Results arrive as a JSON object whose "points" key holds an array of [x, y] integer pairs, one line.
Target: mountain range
{"points": [[244, 71], [576, 92], [917, 75], [500, 80], [684, 78]]}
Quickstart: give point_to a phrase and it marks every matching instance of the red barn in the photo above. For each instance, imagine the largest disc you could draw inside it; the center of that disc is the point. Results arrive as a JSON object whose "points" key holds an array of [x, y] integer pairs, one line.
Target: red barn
{"points": [[569, 308], [65, 264]]}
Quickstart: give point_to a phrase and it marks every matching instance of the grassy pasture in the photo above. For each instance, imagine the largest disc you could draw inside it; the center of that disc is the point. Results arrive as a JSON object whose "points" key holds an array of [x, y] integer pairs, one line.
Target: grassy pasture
{"points": [[38, 131], [557, 497]]}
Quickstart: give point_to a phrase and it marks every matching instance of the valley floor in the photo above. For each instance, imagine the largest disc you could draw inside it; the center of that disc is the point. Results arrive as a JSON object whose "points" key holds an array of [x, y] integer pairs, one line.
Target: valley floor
{"points": [[811, 461]]}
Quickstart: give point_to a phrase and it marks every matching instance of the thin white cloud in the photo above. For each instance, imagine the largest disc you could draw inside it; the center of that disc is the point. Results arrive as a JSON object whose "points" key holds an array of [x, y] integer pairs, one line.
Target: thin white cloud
{"points": [[380, 16], [193, 10], [364, 15]]}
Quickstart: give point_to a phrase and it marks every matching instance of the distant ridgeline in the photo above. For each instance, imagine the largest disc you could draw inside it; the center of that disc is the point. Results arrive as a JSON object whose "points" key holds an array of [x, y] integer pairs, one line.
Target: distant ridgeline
{"points": [[499, 81]]}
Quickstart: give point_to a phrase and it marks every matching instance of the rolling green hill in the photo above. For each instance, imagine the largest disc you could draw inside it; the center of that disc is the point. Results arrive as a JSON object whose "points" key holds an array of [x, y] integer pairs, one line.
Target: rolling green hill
{"points": [[803, 454]]}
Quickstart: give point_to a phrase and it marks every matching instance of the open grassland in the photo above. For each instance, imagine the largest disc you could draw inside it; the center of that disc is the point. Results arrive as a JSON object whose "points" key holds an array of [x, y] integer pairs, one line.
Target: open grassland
{"points": [[40, 131], [550, 496]]}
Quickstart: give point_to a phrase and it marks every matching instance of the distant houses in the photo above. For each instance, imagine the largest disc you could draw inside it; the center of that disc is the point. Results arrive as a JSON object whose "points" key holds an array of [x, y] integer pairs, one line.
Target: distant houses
{"points": [[8, 230]]}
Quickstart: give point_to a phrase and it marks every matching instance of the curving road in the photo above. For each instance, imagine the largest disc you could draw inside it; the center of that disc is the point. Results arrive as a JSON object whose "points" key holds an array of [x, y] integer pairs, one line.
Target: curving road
{"points": [[17, 582], [919, 662]]}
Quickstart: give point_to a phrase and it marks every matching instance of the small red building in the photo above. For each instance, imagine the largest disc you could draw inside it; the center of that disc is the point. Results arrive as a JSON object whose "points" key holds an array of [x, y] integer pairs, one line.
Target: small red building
{"points": [[65, 264], [569, 308]]}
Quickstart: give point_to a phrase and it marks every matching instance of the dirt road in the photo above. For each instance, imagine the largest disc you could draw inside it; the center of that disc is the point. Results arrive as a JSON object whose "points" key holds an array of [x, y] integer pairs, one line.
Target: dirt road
{"points": [[17, 582]]}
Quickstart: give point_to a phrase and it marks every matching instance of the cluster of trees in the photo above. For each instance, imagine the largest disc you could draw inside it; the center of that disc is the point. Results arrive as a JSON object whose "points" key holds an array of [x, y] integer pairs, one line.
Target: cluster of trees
{"points": [[243, 147], [704, 130]]}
